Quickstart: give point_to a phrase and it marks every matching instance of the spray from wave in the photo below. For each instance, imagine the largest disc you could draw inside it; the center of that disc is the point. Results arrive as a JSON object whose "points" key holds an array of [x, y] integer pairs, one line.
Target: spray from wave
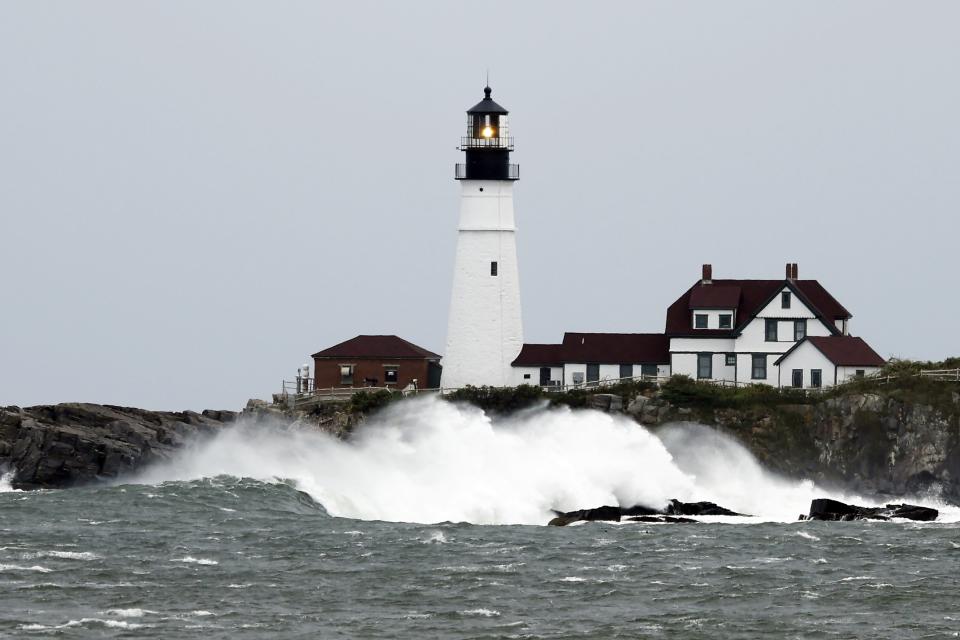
{"points": [[430, 461]]}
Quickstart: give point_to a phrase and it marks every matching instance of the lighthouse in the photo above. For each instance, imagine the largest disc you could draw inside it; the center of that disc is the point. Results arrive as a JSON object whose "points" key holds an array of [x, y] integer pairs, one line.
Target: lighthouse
{"points": [[484, 328]]}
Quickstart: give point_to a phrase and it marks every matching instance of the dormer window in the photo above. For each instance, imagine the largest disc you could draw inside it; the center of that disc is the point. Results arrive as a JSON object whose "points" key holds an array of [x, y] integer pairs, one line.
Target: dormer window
{"points": [[700, 321], [785, 300], [726, 320]]}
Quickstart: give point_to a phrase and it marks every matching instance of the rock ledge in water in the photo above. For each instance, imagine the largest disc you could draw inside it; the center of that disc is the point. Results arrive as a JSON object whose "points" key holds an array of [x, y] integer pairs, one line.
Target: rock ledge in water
{"points": [[674, 512], [833, 510]]}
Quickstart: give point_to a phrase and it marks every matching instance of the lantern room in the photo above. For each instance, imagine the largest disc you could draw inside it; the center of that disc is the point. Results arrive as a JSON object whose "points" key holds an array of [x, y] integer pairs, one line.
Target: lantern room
{"points": [[487, 144]]}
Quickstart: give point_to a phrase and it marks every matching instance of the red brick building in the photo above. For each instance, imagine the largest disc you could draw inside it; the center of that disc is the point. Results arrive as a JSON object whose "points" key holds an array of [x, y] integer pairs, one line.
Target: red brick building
{"points": [[376, 361]]}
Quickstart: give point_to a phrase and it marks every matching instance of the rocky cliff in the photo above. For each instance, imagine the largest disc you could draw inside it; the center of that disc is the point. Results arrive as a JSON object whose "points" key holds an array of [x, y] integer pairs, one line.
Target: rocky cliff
{"points": [[876, 441], [69, 444]]}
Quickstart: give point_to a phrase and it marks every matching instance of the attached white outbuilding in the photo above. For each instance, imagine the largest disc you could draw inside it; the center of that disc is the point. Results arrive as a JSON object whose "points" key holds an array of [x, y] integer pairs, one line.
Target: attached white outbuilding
{"points": [[824, 361]]}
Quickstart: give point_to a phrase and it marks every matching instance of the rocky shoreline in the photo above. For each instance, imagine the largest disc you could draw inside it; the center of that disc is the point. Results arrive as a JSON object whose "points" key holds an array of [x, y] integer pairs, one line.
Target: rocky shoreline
{"points": [[876, 443]]}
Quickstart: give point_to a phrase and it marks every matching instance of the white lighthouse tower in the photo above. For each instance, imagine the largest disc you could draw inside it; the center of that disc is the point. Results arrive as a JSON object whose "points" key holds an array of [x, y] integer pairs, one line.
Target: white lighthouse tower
{"points": [[484, 330]]}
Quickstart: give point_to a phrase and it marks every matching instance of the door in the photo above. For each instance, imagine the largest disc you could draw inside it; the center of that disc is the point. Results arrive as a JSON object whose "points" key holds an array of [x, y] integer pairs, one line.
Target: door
{"points": [[798, 378], [593, 373], [544, 376]]}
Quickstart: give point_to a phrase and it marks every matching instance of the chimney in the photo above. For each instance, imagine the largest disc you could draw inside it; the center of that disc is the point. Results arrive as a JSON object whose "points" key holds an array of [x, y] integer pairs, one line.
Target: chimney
{"points": [[789, 271], [796, 272], [707, 274]]}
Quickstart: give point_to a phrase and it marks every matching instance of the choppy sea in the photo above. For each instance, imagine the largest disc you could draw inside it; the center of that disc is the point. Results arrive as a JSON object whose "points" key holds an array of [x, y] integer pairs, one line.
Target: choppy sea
{"points": [[187, 553]]}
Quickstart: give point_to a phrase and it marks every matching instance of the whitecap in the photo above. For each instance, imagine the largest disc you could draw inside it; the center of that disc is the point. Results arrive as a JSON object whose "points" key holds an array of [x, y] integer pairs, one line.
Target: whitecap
{"points": [[68, 555], [17, 567], [573, 579], [192, 560], [852, 578], [135, 612], [435, 537], [808, 536], [486, 613]]}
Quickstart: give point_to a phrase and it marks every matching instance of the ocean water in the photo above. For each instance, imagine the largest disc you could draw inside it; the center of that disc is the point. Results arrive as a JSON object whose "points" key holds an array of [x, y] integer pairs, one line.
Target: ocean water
{"points": [[430, 525]]}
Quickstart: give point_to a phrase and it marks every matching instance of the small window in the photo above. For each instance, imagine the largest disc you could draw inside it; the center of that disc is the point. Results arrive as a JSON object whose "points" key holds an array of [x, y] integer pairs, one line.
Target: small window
{"points": [[648, 370], [391, 374], [799, 330], [704, 366], [726, 320], [860, 373], [771, 330], [785, 299], [731, 359], [816, 378], [626, 371], [526, 376], [759, 369], [346, 374], [700, 321], [798, 378], [493, 268]]}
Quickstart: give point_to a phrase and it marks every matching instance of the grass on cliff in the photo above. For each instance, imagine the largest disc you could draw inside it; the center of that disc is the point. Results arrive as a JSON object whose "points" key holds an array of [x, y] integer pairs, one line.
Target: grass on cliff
{"points": [[504, 400], [683, 391]]}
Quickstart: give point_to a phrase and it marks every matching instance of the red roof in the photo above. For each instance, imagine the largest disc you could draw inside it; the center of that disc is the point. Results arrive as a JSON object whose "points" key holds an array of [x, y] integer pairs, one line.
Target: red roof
{"points": [[753, 296], [598, 348], [714, 297], [390, 347], [540, 355], [844, 351]]}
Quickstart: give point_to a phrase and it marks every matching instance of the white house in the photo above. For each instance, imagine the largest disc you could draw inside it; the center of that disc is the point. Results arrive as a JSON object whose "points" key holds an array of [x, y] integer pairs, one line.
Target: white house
{"points": [[739, 330], [590, 358], [787, 332], [826, 361]]}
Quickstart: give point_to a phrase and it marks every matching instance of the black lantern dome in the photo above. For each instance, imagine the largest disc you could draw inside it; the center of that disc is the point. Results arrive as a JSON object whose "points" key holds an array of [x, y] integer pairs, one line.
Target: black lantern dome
{"points": [[487, 144]]}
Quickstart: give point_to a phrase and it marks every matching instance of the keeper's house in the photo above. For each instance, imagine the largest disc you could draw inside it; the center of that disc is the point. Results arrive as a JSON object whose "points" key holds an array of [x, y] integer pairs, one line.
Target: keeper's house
{"points": [[376, 361], [784, 333]]}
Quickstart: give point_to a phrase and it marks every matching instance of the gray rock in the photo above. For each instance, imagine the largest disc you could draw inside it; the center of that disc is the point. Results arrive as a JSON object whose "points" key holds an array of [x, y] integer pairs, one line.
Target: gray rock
{"points": [[637, 405], [70, 444]]}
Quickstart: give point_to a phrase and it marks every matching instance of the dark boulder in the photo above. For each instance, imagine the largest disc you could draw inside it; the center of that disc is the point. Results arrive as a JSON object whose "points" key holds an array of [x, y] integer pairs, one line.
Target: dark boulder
{"points": [[675, 511], [677, 508], [834, 510]]}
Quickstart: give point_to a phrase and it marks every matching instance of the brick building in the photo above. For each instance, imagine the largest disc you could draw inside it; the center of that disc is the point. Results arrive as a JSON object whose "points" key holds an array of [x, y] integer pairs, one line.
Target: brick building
{"points": [[376, 361]]}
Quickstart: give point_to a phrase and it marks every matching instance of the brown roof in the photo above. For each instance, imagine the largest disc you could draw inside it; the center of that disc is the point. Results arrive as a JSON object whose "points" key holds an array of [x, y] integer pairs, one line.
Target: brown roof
{"points": [[377, 347], [753, 296], [540, 355], [714, 297], [599, 348], [844, 351]]}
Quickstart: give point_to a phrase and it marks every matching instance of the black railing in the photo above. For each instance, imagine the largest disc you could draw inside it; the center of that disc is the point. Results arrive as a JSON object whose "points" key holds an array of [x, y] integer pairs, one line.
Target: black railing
{"points": [[486, 143], [512, 173]]}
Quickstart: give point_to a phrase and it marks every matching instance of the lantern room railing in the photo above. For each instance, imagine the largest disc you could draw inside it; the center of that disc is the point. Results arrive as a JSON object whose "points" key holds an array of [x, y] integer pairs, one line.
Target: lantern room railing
{"points": [[486, 143], [513, 173]]}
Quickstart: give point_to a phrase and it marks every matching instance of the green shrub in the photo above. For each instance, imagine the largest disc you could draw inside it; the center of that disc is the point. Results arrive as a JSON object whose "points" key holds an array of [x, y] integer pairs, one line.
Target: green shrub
{"points": [[498, 399], [368, 402]]}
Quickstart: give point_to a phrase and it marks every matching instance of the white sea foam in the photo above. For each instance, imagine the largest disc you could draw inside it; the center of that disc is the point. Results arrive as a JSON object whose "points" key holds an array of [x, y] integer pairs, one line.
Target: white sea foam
{"points": [[486, 613], [808, 536], [573, 579], [431, 461], [112, 624], [6, 480], [192, 560], [66, 555], [17, 567], [127, 613]]}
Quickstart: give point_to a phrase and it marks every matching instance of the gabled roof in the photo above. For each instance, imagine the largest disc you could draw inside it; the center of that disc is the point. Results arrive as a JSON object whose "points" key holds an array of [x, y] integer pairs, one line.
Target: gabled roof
{"points": [[390, 347], [598, 348], [539, 355], [753, 297], [843, 351]]}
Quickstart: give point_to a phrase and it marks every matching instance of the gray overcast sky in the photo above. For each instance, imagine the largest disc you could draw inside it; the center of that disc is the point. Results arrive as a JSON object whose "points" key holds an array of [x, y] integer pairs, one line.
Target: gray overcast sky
{"points": [[195, 196]]}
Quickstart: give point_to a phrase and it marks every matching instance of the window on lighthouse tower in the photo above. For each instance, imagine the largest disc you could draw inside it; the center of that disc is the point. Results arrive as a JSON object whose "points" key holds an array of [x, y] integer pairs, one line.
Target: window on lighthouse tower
{"points": [[485, 126]]}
